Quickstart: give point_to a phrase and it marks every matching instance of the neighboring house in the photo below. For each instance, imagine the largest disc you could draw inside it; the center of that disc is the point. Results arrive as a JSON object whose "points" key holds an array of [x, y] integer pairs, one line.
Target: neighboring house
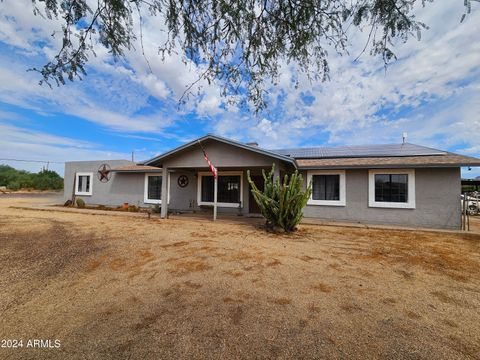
{"points": [[401, 184]]}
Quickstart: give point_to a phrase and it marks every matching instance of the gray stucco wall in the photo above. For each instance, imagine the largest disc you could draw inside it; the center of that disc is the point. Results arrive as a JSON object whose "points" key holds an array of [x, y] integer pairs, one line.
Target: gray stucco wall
{"points": [[437, 193], [121, 188]]}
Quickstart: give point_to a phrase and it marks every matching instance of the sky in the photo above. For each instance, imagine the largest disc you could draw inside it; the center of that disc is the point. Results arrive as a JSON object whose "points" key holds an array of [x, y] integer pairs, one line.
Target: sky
{"points": [[432, 92]]}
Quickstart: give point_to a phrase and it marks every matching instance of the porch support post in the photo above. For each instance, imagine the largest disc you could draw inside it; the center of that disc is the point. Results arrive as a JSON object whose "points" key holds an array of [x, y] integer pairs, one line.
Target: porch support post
{"points": [[276, 173], [165, 186], [215, 195]]}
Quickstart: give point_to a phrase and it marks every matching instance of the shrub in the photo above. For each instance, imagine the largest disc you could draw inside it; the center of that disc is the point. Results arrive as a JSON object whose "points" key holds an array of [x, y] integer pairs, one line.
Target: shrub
{"points": [[156, 209], [80, 202], [133, 208], [281, 203]]}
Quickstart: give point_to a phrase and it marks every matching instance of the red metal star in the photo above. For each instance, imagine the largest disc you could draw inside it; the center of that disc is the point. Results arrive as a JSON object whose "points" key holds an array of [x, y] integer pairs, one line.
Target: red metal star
{"points": [[104, 172]]}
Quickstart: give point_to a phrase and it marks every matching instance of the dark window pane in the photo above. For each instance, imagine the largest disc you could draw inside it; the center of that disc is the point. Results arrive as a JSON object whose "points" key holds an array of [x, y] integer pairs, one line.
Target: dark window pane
{"points": [[155, 187], [87, 186], [391, 188], [326, 187], [382, 187], [229, 189], [207, 188], [79, 185]]}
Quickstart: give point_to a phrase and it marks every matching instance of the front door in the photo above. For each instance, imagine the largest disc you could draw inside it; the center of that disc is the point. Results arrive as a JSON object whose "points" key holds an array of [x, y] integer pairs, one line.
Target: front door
{"points": [[252, 204]]}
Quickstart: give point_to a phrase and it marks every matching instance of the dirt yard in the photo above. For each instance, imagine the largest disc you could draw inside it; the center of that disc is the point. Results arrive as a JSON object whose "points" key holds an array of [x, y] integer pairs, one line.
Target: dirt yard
{"points": [[119, 287]]}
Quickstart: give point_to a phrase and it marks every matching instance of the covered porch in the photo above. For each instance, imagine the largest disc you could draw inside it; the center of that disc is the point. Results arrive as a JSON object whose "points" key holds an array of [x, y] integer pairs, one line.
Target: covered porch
{"points": [[187, 184], [197, 192]]}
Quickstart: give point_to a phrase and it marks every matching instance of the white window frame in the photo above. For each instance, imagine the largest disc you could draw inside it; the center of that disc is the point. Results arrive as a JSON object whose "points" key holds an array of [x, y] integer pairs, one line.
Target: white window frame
{"points": [[84, 193], [146, 200], [410, 204], [342, 187], [201, 174]]}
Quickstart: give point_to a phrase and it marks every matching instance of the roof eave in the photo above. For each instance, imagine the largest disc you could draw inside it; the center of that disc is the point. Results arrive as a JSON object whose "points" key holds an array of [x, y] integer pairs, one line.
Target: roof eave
{"points": [[137, 171]]}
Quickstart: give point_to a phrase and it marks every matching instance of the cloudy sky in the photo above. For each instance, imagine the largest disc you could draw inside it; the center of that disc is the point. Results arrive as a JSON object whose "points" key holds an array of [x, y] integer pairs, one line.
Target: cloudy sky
{"points": [[432, 92]]}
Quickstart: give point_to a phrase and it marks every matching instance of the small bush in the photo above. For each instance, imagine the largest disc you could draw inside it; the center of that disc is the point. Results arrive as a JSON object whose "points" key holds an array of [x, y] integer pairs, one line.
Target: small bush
{"points": [[156, 209], [80, 202], [133, 208]]}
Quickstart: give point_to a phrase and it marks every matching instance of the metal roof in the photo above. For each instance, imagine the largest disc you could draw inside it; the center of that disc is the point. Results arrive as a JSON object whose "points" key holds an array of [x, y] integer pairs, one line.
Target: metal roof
{"points": [[389, 150]]}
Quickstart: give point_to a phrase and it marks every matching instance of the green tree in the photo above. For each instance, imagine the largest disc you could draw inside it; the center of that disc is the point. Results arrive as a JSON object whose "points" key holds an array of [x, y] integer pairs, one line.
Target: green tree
{"points": [[47, 180], [19, 179], [241, 44], [281, 203]]}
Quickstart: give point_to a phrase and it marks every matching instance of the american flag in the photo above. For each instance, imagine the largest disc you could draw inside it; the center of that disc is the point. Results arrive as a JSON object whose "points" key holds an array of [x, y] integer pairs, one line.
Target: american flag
{"points": [[213, 169]]}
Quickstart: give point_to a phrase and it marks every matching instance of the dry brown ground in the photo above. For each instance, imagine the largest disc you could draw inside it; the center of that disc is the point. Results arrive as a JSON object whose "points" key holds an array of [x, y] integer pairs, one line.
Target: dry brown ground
{"points": [[113, 287]]}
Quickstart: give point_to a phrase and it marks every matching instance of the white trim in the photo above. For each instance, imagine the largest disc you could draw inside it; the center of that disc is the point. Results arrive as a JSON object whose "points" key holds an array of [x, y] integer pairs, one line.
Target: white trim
{"points": [[342, 187], [220, 173], [84, 193], [146, 200], [410, 204]]}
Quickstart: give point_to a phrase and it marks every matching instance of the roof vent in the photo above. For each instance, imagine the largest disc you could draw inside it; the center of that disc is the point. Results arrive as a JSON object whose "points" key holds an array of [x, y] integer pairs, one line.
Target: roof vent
{"points": [[253, 143]]}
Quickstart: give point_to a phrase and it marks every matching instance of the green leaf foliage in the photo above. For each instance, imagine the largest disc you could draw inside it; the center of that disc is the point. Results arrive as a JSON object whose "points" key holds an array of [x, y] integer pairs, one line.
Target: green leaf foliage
{"points": [[80, 202], [15, 179], [281, 203]]}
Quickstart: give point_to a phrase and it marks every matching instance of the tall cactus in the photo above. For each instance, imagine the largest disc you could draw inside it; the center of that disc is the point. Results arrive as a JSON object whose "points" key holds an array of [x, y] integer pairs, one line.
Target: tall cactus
{"points": [[281, 203]]}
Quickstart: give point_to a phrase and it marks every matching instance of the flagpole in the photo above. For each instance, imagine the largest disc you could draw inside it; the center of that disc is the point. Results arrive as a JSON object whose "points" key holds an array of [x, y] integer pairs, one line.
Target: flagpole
{"points": [[215, 194], [214, 171]]}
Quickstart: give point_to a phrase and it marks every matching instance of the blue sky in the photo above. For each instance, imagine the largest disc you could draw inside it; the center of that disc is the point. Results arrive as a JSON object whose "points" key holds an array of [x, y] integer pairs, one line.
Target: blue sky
{"points": [[432, 92]]}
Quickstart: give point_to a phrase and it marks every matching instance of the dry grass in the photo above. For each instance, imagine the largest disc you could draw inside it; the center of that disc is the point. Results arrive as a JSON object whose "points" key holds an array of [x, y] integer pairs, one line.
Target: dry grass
{"points": [[111, 287]]}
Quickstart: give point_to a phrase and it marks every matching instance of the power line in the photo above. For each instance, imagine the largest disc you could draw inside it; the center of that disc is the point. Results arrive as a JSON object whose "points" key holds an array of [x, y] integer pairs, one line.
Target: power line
{"points": [[35, 161]]}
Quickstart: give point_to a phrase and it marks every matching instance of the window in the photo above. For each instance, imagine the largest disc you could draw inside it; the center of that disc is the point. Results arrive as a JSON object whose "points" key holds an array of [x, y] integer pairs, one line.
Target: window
{"points": [[230, 189], [328, 187], [392, 188], [83, 183], [153, 188]]}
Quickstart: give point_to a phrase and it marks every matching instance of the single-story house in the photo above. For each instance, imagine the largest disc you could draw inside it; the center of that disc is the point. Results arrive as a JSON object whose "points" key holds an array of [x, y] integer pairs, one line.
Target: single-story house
{"points": [[398, 184]]}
